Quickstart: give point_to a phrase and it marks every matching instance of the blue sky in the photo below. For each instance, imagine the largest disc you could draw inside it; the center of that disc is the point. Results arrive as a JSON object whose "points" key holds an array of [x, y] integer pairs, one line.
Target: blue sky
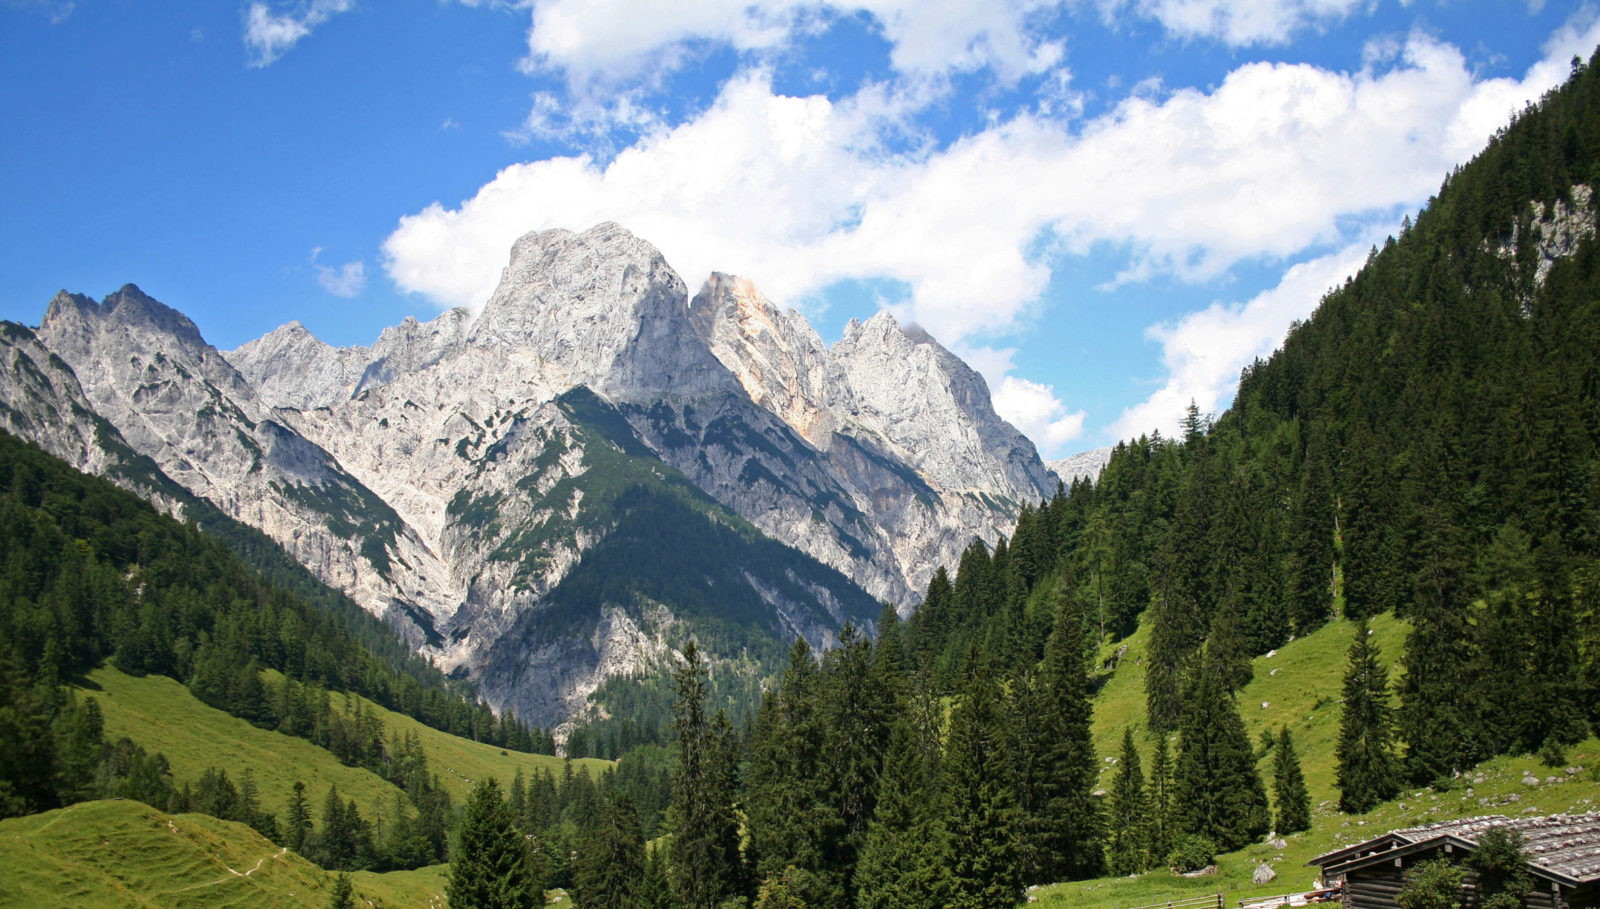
{"points": [[1108, 206]]}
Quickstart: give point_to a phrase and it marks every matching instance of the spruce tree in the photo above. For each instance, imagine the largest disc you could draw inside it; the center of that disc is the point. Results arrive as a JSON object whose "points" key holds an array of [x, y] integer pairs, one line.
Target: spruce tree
{"points": [[1437, 659], [1290, 796], [1216, 790], [1311, 549], [1128, 833], [1367, 772], [489, 869], [902, 862], [706, 865], [1163, 825], [1061, 821], [610, 867], [981, 818]]}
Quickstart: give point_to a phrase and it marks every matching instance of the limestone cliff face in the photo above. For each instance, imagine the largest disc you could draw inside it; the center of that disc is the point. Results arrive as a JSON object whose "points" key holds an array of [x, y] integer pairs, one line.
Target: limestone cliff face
{"points": [[146, 370], [905, 430], [467, 476]]}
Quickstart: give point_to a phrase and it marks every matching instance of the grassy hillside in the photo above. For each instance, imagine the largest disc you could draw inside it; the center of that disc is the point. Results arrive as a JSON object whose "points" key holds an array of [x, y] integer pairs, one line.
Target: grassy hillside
{"points": [[163, 716], [1304, 692], [460, 763], [125, 853]]}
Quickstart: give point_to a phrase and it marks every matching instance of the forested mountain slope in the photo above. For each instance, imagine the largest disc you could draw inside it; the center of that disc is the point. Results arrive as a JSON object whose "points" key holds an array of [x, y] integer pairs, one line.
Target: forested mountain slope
{"points": [[1376, 571]]}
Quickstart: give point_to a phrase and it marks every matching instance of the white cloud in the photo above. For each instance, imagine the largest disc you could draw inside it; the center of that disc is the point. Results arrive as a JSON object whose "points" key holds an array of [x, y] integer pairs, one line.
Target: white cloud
{"points": [[269, 35], [797, 193], [1241, 22], [1204, 351], [348, 280], [617, 41], [1034, 408]]}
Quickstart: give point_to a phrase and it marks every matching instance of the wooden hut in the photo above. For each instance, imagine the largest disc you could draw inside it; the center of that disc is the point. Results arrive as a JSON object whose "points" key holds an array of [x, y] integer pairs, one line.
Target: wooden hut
{"points": [[1563, 853]]}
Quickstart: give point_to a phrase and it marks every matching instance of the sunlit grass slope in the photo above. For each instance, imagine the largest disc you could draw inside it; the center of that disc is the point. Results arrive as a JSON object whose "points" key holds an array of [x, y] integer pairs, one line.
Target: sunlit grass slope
{"points": [[161, 715], [126, 854], [1300, 686], [460, 763]]}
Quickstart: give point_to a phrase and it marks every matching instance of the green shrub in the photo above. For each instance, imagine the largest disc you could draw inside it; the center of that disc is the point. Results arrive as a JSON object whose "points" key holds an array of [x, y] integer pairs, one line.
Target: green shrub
{"points": [[1193, 853]]}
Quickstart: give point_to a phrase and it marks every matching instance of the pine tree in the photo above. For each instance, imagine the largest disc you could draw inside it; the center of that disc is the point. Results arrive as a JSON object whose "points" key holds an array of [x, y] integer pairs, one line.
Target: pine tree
{"points": [[1311, 553], [610, 867], [1437, 660], [1216, 790], [1061, 821], [1128, 825], [1163, 828], [982, 817], [902, 863], [1290, 796], [707, 867], [655, 887], [489, 869], [1367, 772]]}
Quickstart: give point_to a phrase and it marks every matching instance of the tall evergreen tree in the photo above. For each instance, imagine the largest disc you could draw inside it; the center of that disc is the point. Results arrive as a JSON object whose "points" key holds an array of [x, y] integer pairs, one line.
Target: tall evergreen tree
{"points": [[610, 867], [706, 865], [297, 818], [489, 869], [981, 818], [1216, 790], [1290, 796], [1061, 821], [786, 804], [858, 707], [902, 862], [1128, 826], [1163, 826], [1311, 548], [1437, 659], [1367, 772]]}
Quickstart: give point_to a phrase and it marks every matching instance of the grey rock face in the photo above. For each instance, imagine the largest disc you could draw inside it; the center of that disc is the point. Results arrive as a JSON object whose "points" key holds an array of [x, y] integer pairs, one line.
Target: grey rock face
{"points": [[1082, 466], [146, 369], [289, 367], [600, 309]]}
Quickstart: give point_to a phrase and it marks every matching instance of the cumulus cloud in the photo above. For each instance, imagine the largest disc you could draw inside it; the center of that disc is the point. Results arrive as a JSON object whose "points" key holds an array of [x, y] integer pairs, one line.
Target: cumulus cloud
{"points": [[1204, 352], [269, 35], [614, 41], [798, 193], [1277, 162], [1033, 408]]}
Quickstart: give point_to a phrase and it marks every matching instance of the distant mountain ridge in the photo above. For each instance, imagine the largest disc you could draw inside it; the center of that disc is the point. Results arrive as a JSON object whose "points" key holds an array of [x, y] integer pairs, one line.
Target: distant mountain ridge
{"points": [[447, 478]]}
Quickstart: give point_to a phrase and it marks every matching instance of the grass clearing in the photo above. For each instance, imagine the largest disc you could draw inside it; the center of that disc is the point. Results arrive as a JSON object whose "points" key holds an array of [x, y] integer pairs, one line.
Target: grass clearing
{"points": [[162, 715], [461, 763]]}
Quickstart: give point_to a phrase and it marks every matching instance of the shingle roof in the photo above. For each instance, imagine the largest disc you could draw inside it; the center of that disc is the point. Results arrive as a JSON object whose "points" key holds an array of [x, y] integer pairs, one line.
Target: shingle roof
{"points": [[1564, 844]]}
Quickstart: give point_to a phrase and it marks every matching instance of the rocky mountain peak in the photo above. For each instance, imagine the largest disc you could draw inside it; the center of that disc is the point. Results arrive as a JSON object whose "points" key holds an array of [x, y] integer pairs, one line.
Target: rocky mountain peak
{"points": [[777, 357], [603, 309], [935, 411]]}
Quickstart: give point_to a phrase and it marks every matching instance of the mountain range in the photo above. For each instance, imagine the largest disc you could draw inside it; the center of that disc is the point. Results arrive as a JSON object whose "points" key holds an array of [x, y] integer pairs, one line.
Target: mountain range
{"points": [[558, 489]]}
